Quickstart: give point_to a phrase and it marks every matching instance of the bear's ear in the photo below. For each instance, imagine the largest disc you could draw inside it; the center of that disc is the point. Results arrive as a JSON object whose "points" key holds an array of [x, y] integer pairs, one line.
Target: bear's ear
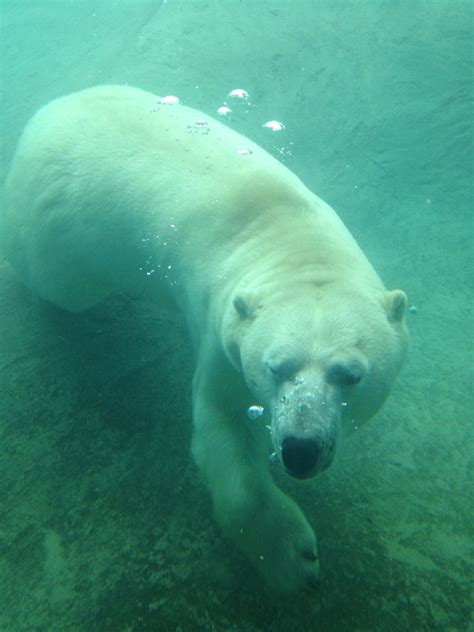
{"points": [[245, 305], [396, 304]]}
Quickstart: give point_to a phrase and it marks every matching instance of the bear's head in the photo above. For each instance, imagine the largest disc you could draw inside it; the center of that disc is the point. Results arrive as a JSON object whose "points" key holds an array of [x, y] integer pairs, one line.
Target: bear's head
{"points": [[318, 361]]}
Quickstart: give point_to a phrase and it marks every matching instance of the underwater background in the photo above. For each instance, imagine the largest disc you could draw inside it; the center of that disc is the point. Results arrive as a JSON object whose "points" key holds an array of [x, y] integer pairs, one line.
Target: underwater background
{"points": [[105, 524]]}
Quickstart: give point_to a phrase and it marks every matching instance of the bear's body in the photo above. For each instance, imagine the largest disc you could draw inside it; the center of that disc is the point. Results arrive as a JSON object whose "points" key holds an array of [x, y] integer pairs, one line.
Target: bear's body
{"points": [[110, 190]]}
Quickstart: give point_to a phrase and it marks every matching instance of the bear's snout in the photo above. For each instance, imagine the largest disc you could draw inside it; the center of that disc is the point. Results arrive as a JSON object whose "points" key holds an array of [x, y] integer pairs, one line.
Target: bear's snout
{"points": [[300, 456], [305, 425]]}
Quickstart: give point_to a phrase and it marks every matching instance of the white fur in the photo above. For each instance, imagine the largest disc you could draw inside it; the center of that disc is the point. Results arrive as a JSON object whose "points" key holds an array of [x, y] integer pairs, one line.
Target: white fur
{"points": [[107, 185]]}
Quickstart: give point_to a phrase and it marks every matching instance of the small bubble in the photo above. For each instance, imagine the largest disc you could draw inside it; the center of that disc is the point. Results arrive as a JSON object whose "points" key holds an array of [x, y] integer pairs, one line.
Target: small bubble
{"points": [[224, 110], [275, 126], [238, 93], [169, 100], [255, 411]]}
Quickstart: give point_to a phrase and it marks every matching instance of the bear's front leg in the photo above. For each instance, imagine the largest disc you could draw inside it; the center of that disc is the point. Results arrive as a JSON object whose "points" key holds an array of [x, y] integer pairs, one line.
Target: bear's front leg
{"points": [[233, 456]]}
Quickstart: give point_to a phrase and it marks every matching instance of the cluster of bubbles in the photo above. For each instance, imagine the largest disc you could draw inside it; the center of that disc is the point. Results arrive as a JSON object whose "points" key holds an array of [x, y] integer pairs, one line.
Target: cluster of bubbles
{"points": [[241, 95], [198, 127], [239, 99], [150, 267], [237, 103]]}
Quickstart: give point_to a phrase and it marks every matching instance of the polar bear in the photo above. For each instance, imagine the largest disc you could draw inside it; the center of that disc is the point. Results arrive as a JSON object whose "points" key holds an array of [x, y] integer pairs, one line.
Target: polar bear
{"points": [[113, 189]]}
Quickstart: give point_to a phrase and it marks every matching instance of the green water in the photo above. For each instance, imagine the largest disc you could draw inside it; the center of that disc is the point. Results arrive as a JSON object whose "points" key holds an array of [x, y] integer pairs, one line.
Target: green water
{"points": [[105, 524]]}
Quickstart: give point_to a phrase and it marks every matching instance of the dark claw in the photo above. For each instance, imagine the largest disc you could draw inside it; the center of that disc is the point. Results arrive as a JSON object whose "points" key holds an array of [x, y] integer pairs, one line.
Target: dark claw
{"points": [[310, 555]]}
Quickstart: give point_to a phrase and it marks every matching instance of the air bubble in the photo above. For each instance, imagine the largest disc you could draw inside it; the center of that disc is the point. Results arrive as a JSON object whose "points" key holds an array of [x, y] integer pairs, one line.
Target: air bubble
{"points": [[169, 100], [238, 93], [275, 126], [255, 411]]}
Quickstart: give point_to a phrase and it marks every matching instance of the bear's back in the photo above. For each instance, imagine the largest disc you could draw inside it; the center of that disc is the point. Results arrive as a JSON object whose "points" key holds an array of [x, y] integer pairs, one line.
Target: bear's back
{"points": [[109, 179]]}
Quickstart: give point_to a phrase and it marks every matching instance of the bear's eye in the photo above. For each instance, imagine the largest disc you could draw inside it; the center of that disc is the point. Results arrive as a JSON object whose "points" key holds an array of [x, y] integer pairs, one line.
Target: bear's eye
{"points": [[343, 376], [281, 369]]}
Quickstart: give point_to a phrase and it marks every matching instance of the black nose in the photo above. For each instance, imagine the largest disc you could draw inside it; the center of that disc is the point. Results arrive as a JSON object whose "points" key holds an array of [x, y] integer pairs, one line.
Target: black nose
{"points": [[299, 456]]}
